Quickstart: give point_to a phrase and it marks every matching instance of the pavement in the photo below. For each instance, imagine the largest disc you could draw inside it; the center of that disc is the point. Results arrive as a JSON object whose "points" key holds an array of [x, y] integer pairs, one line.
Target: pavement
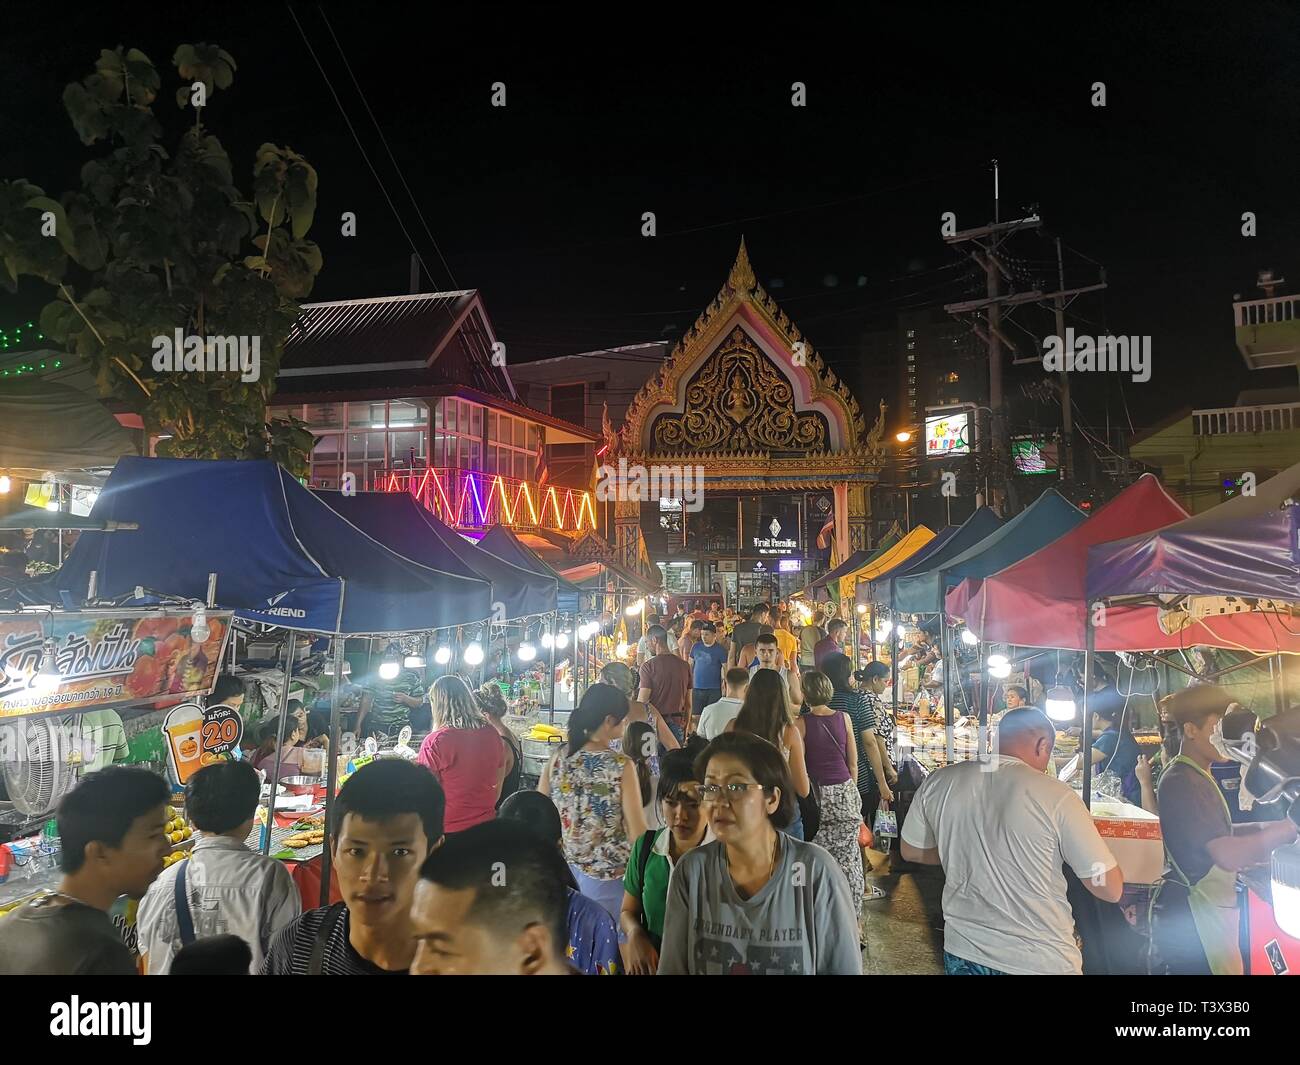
{"points": [[904, 932]]}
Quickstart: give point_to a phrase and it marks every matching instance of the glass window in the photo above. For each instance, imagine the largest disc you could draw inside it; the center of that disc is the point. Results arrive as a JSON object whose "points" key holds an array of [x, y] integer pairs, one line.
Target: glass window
{"points": [[476, 421], [464, 453], [492, 425], [405, 413], [476, 455], [519, 432], [367, 414]]}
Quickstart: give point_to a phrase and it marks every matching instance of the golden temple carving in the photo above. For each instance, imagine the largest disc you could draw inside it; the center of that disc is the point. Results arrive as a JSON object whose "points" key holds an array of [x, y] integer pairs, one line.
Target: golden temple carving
{"points": [[728, 420], [739, 401]]}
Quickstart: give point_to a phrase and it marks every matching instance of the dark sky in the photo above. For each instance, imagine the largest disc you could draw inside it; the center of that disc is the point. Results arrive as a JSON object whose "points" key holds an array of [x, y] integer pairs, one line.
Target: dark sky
{"points": [[615, 112]]}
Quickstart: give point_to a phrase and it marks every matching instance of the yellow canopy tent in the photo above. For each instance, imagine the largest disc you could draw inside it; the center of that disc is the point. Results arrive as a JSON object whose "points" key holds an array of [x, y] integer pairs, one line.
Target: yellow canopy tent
{"points": [[900, 552]]}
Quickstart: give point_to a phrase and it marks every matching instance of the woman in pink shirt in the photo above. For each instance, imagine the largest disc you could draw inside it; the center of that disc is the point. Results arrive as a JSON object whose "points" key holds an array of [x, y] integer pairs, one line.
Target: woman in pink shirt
{"points": [[465, 753]]}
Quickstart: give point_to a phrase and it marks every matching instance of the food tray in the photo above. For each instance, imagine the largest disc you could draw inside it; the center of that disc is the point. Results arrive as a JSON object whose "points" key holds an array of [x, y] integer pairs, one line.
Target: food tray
{"points": [[278, 836]]}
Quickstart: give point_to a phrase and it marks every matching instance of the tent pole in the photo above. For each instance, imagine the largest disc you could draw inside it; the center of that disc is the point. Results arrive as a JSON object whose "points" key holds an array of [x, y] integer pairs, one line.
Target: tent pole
{"points": [[1085, 748], [332, 765], [279, 738], [873, 630], [893, 662], [949, 742], [1281, 684], [555, 627]]}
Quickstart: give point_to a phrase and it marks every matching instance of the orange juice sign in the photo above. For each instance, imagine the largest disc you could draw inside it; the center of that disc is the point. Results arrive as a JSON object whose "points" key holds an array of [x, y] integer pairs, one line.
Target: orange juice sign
{"points": [[105, 660], [197, 737]]}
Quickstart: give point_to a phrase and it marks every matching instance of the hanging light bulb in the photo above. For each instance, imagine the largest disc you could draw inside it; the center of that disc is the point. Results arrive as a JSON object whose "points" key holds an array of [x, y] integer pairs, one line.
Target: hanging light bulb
{"points": [[1000, 672], [548, 640], [562, 640], [527, 652], [200, 630], [862, 608], [52, 505], [5, 484], [474, 654], [390, 667], [969, 638], [48, 678], [620, 650], [633, 609], [413, 661], [883, 630], [997, 660], [1059, 703], [442, 655]]}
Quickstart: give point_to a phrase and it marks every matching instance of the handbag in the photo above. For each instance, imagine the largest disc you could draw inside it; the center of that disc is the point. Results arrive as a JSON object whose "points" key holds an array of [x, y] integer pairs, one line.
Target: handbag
{"points": [[810, 809]]}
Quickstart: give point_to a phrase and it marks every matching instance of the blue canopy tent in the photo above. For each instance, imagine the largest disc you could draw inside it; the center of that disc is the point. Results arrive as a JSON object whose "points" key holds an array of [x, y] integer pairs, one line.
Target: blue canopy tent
{"points": [[401, 524], [501, 542], [1048, 517], [282, 556], [948, 544], [817, 589]]}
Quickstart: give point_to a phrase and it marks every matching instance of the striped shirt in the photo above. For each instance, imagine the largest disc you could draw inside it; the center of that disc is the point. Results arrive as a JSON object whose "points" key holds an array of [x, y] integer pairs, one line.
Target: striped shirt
{"points": [[290, 953]]}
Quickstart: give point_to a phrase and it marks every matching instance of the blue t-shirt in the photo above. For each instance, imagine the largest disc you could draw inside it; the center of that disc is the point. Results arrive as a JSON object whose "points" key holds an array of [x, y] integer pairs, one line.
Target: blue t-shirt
{"points": [[593, 937], [1121, 752], [708, 663]]}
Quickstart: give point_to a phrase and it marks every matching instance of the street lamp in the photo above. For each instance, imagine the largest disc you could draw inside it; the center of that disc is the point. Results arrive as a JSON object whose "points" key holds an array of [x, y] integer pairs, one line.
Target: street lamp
{"points": [[903, 436]]}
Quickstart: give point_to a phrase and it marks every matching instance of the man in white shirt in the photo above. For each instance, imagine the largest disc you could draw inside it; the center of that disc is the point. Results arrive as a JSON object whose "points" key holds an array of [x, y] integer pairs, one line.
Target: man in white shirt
{"points": [[1002, 830], [769, 657], [715, 717], [223, 887]]}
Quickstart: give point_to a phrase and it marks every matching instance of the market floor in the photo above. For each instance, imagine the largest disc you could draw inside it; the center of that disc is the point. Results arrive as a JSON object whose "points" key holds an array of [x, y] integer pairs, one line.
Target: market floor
{"points": [[904, 932]]}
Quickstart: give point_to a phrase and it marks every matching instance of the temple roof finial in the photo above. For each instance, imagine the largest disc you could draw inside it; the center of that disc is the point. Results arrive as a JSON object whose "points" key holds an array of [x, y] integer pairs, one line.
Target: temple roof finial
{"points": [[741, 279]]}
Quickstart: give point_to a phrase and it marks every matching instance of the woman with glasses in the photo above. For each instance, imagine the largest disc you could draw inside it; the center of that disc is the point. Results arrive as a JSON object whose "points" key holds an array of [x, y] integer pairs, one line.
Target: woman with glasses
{"points": [[598, 795], [756, 900], [655, 855]]}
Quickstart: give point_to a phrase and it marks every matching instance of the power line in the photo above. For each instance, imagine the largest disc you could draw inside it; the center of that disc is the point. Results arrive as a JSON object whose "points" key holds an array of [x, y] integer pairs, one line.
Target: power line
{"points": [[360, 147], [384, 140]]}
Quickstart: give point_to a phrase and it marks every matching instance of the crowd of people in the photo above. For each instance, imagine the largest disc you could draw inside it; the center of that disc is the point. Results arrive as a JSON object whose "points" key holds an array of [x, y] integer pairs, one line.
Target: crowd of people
{"points": [[709, 813]]}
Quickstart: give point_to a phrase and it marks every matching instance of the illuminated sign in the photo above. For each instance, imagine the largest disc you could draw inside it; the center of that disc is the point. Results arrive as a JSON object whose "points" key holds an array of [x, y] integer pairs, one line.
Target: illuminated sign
{"points": [[1034, 454], [789, 565], [947, 434]]}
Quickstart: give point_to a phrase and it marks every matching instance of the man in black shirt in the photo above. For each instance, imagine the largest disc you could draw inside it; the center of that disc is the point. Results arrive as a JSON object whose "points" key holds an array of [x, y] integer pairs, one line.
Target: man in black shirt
{"points": [[111, 828], [748, 632], [387, 820], [492, 902]]}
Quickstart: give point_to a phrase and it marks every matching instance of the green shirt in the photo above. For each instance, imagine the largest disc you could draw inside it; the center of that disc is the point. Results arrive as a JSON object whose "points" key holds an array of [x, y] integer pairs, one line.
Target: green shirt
{"points": [[386, 713], [654, 899]]}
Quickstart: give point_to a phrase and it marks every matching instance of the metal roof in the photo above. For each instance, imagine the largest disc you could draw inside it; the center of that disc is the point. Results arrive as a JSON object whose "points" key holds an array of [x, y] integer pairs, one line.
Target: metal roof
{"points": [[397, 333]]}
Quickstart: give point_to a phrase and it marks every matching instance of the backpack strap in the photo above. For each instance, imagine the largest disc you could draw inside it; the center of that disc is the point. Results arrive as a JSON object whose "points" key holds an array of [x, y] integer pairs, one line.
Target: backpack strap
{"points": [[316, 965], [184, 918]]}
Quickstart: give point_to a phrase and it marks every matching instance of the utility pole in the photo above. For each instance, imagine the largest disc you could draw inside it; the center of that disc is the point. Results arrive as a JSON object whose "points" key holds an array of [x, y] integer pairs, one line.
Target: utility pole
{"points": [[986, 321], [1067, 411]]}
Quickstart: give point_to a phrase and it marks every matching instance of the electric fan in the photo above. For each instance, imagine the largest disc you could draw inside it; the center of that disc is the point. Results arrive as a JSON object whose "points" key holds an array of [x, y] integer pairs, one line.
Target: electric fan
{"points": [[44, 764]]}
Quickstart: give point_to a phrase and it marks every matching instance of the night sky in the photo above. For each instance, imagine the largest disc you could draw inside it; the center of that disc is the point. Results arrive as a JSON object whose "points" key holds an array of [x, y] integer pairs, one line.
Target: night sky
{"points": [[688, 115]]}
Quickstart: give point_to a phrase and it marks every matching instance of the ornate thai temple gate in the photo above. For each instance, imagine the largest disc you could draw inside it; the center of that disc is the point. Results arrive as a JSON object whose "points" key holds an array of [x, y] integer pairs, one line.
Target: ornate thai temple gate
{"points": [[746, 398]]}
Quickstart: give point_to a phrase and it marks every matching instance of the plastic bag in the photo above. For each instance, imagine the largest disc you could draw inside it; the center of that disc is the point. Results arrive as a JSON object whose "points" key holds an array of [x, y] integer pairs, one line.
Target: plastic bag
{"points": [[886, 824]]}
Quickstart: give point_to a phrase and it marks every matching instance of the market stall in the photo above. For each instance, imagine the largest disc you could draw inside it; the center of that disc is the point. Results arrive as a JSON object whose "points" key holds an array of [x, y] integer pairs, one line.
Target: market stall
{"points": [[81, 690], [1236, 563], [312, 571]]}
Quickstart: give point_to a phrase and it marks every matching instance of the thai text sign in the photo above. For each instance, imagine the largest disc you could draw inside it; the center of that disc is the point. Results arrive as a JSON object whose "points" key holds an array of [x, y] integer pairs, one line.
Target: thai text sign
{"points": [[105, 660]]}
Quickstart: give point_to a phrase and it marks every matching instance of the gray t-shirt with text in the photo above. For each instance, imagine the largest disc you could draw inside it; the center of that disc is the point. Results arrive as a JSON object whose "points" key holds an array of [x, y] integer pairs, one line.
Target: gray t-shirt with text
{"points": [[802, 922]]}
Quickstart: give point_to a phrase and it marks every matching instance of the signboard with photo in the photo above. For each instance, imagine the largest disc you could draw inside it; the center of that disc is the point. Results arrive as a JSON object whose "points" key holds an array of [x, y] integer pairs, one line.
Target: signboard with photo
{"points": [[105, 660], [197, 737]]}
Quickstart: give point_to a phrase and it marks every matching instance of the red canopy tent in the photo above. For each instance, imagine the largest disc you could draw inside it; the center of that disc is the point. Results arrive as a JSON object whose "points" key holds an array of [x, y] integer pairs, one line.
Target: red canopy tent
{"points": [[1041, 601]]}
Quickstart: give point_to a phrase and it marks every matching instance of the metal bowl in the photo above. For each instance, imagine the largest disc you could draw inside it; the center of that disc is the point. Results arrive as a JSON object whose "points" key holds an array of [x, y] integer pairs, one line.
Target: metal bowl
{"points": [[300, 785]]}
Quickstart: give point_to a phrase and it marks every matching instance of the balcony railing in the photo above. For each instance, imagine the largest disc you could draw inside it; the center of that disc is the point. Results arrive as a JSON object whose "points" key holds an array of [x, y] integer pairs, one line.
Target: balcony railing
{"points": [[1279, 417], [1268, 331], [467, 499]]}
